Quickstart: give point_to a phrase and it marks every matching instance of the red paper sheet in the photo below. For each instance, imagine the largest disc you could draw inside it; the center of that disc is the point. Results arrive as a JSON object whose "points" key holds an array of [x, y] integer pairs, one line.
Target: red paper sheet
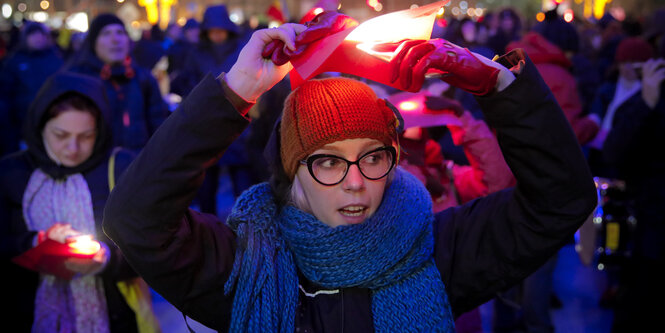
{"points": [[49, 257], [416, 114], [348, 51]]}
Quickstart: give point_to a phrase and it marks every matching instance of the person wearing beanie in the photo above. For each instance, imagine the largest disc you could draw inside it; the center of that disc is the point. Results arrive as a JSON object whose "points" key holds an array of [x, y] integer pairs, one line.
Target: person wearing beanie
{"points": [[341, 239], [138, 107], [631, 112], [22, 73]]}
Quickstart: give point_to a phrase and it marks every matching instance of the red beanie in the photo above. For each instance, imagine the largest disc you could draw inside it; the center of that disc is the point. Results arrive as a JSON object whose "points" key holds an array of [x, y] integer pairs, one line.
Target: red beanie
{"points": [[633, 49], [320, 112]]}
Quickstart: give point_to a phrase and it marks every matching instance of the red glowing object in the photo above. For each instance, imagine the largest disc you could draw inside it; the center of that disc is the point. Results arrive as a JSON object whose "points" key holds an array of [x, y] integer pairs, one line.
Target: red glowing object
{"points": [[49, 256], [416, 114], [351, 50]]}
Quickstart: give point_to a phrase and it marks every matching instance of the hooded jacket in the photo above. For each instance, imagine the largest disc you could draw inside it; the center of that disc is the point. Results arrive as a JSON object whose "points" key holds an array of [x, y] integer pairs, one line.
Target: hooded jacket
{"points": [[15, 172], [554, 67]]}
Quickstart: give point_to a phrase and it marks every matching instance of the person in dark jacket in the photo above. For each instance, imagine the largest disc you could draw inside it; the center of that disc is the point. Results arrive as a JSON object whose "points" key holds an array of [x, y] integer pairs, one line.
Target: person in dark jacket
{"points": [[218, 48], [23, 73], [136, 102], [340, 240], [57, 188], [177, 53]]}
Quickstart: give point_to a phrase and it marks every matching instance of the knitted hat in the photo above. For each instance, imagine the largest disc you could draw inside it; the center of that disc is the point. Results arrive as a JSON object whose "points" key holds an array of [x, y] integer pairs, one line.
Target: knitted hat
{"points": [[323, 111], [98, 24], [633, 49]]}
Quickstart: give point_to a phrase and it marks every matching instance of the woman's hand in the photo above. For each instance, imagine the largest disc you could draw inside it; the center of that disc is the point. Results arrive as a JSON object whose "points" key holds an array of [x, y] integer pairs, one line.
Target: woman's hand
{"points": [[458, 66], [59, 232], [653, 74], [252, 74]]}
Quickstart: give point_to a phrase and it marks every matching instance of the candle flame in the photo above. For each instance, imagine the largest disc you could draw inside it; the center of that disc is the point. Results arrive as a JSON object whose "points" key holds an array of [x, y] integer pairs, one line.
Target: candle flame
{"points": [[84, 245], [408, 106], [393, 28]]}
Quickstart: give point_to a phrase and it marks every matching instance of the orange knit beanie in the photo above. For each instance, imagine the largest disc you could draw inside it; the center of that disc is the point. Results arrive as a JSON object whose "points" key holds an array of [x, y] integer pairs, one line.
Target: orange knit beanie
{"points": [[320, 112]]}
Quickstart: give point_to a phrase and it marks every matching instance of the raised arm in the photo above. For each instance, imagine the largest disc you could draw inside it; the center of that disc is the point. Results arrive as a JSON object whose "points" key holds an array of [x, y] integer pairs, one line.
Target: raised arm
{"points": [[184, 255], [493, 242]]}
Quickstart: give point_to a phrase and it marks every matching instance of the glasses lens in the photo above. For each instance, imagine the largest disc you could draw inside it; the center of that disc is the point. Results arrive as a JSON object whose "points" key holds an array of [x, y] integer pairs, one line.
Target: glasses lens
{"points": [[376, 164], [328, 169]]}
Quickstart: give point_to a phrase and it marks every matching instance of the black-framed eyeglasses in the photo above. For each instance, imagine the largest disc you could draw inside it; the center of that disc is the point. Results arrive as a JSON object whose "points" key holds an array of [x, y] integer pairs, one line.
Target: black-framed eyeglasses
{"points": [[330, 170]]}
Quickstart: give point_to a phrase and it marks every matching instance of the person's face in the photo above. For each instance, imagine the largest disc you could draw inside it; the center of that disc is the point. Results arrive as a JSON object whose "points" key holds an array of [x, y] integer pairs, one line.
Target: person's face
{"points": [[507, 24], [354, 199], [218, 36], [192, 35], [112, 44], [469, 31], [37, 40], [70, 137]]}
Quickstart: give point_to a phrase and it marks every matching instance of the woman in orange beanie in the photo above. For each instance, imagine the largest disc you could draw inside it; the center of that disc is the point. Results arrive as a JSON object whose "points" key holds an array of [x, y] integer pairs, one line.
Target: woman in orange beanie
{"points": [[342, 240]]}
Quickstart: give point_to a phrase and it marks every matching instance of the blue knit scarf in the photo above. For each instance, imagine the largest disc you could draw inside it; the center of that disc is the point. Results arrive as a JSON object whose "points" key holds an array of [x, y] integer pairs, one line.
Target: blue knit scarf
{"points": [[391, 253]]}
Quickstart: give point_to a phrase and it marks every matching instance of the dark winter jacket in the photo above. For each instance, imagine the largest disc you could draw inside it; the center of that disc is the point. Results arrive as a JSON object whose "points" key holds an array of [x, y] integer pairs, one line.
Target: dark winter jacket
{"points": [[137, 106], [15, 172], [482, 247], [22, 74]]}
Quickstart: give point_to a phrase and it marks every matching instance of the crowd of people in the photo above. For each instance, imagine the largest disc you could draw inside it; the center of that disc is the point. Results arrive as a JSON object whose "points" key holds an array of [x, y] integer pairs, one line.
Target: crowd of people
{"points": [[433, 221]]}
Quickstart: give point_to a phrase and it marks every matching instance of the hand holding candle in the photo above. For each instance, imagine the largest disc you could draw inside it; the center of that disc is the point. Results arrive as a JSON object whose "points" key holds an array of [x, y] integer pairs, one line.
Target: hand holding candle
{"points": [[85, 245]]}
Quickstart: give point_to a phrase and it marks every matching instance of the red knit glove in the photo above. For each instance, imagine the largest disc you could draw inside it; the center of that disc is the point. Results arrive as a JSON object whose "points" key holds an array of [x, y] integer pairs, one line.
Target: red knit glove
{"points": [[321, 26], [460, 66]]}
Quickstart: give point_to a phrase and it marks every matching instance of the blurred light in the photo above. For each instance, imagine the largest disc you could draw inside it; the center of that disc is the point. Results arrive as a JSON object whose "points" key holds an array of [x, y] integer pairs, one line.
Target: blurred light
{"points": [[77, 21], [414, 6], [463, 5], [456, 11], [378, 7], [479, 11], [408, 106], [372, 3], [601, 267], [339, 6], [6, 10], [121, 1], [237, 16], [470, 12], [136, 24], [182, 21], [44, 4], [540, 17], [318, 11], [558, 2], [40, 16], [568, 16], [440, 12], [22, 7], [273, 24]]}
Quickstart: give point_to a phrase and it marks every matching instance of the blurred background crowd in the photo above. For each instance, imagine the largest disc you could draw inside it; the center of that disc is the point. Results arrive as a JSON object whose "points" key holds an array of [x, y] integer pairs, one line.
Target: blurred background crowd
{"points": [[149, 54]]}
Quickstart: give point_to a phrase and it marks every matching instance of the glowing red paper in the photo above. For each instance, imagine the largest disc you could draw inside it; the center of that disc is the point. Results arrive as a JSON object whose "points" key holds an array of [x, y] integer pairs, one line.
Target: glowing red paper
{"points": [[49, 256], [416, 114], [350, 51]]}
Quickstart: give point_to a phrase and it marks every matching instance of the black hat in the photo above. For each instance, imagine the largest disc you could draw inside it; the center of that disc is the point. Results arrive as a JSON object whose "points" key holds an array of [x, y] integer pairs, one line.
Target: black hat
{"points": [[99, 23]]}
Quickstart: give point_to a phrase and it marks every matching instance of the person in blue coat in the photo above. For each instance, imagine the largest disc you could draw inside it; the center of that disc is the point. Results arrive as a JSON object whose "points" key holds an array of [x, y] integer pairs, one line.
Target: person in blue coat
{"points": [[137, 105], [57, 188], [23, 73]]}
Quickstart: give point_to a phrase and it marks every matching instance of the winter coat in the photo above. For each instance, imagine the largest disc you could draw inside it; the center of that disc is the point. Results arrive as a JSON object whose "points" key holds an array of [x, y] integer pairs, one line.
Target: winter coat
{"points": [[137, 106], [481, 247], [554, 67], [15, 172], [22, 74]]}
